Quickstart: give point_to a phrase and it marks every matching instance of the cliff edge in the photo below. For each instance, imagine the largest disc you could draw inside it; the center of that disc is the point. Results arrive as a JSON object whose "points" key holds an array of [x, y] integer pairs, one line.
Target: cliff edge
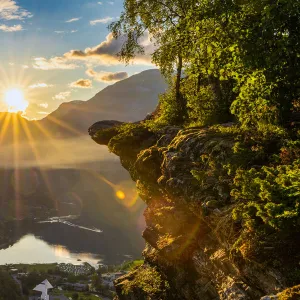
{"points": [[222, 211]]}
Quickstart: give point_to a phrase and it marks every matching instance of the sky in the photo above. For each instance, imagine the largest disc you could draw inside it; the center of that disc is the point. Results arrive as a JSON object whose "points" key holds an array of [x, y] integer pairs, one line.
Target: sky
{"points": [[55, 51]]}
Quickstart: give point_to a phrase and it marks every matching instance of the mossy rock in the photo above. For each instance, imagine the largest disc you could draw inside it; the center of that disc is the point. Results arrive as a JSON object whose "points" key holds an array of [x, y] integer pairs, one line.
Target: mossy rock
{"points": [[103, 136], [131, 139], [212, 204]]}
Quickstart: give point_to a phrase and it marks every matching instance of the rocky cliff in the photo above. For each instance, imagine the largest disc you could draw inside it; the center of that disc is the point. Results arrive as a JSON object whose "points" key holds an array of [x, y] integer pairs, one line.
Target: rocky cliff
{"points": [[195, 247]]}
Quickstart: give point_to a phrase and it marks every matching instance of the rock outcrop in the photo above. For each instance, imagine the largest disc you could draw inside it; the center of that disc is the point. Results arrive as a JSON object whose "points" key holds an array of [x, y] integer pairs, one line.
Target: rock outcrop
{"points": [[101, 125], [191, 236]]}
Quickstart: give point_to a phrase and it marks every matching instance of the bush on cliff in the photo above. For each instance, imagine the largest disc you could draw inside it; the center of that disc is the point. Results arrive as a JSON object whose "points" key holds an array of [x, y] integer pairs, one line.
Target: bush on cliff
{"points": [[148, 283]]}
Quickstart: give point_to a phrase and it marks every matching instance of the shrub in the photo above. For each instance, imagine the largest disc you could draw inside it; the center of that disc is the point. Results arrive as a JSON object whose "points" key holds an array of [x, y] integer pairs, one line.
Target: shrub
{"points": [[149, 281], [270, 195]]}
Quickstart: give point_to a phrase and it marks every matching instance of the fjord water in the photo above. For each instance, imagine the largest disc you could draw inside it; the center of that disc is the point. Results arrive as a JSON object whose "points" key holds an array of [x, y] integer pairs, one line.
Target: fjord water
{"points": [[68, 210], [72, 241], [32, 250]]}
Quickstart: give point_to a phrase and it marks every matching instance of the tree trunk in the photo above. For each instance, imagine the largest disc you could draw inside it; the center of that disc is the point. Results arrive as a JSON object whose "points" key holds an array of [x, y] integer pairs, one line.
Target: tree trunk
{"points": [[198, 83], [182, 107], [216, 88], [178, 80]]}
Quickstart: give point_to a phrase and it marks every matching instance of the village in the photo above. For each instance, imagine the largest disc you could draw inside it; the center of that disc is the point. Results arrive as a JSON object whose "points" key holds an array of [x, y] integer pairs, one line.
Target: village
{"points": [[67, 281]]}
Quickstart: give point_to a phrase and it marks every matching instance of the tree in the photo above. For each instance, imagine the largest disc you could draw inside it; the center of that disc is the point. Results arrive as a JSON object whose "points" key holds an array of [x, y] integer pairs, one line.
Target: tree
{"points": [[9, 288], [240, 58], [31, 280], [163, 22], [97, 282], [252, 45]]}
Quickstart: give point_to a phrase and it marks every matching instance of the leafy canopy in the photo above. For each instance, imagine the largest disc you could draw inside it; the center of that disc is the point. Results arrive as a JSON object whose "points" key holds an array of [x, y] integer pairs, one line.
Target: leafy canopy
{"points": [[235, 59]]}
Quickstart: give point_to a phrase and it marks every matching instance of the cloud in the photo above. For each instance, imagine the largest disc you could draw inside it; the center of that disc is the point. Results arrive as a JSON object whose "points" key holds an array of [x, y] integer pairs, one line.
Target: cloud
{"points": [[106, 53], [65, 31], [10, 10], [82, 84], [62, 96], [101, 21], [54, 63], [13, 28], [43, 113], [100, 3], [107, 76], [73, 20], [25, 67], [40, 85], [44, 105]]}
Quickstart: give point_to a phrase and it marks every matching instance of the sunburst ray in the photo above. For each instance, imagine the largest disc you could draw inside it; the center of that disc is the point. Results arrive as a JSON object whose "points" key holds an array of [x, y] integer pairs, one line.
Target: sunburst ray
{"points": [[39, 161]]}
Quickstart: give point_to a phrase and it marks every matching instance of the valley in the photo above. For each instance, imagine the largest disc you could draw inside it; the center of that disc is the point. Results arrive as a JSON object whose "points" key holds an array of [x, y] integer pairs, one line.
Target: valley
{"points": [[59, 190]]}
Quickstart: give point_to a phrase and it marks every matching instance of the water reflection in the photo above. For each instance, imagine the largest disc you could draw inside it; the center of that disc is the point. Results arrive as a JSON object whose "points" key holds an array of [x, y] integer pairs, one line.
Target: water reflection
{"points": [[65, 220], [30, 250]]}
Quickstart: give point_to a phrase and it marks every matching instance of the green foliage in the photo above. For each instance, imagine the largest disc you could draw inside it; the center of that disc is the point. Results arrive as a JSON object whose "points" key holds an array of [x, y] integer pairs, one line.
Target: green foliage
{"points": [[9, 288], [75, 296], [202, 105], [236, 40], [129, 137], [103, 136], [30, 281], [81, 295], [36, 267], [256, 176], [238, 57], [131, 265], [149, 281], [270, 195], [168, 110], [97, 282]]}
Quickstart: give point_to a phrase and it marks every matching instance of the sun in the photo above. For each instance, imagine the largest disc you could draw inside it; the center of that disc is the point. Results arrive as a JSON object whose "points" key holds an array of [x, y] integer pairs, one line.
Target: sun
{"points": [[15, 100]]}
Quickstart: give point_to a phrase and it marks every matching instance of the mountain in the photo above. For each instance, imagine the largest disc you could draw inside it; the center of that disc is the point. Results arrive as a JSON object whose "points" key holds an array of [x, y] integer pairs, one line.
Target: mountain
{"points": [[128, 100]]}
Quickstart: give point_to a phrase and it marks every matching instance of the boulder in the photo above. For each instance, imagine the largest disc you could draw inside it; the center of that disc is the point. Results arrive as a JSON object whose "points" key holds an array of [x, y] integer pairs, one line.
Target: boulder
{"points": [[107, 124]]}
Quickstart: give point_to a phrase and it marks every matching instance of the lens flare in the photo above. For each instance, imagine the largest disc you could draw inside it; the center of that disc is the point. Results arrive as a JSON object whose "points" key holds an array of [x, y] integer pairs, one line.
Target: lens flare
{"points": [[126, 193], [61, 251], [121, 195], [15, 101]]}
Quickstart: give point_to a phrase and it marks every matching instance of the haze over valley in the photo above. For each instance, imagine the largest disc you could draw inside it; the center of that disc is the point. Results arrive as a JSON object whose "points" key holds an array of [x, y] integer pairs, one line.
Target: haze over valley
{"points": [[51, 168]]}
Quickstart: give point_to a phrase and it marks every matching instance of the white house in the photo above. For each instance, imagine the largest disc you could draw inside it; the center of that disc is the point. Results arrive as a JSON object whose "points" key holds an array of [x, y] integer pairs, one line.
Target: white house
{"points": [[43, 289]]}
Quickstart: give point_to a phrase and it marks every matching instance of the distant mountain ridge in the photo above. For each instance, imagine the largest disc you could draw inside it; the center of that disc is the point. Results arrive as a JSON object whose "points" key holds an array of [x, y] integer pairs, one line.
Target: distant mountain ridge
{"points": [[128, 100], [52, 167]]}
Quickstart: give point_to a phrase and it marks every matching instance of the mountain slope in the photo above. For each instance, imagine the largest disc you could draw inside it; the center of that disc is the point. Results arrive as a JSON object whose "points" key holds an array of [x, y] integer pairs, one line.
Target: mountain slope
{"points": [[127, 100]]}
